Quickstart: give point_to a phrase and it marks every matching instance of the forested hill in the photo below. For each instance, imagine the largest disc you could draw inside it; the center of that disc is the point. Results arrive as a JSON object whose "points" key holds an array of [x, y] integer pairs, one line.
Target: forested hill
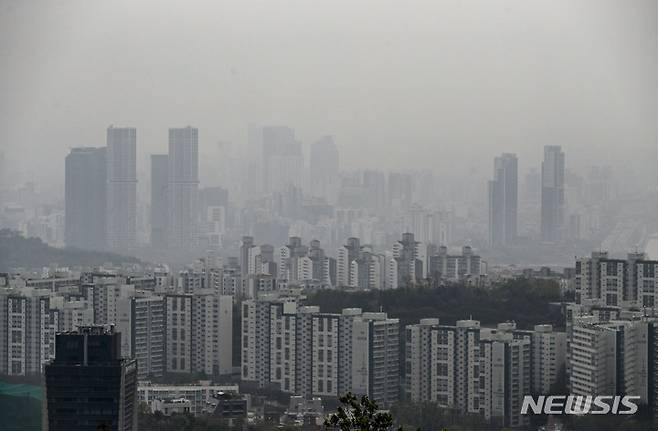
{"points": [[17, 251], [525, 301]]}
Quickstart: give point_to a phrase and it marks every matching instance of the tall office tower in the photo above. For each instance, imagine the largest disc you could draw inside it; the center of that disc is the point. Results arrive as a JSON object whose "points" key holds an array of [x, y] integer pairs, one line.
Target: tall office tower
{"points": [[159, 196], [503, 201], [142, 322], [28, 323], [552, 193], [182, 188], [419, 360], [282, 159], [89, 385], [121, 188], [245, 248], [85, 198], [376, 358], [324, 169]]}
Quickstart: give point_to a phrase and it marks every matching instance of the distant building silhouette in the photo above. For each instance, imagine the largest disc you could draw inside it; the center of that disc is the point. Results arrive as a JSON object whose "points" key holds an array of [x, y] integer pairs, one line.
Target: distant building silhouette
{"points": [[552, 193], [182, 188], [503, 201], [282, 159], [159, 207], [85, 198], [121, 188]]}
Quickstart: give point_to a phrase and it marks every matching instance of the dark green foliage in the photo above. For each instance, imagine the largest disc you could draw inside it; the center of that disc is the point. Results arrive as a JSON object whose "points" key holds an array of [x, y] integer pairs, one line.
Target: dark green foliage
{"points": [[524, 301], [361, 415], [17, 251]]}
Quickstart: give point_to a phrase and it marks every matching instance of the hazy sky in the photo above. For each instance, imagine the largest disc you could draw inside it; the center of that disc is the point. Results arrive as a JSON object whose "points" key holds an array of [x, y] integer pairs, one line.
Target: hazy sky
{"points": [[438, 84]]}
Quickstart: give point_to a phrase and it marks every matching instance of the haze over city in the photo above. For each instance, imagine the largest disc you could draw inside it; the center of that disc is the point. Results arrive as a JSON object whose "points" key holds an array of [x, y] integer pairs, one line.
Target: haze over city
{"points": [[329, 215], [423, 85]]}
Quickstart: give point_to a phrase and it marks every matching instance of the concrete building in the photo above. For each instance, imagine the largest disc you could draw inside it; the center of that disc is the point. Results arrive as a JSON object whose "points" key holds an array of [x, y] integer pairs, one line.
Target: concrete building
{"points": [[142, 323], [627, 283], [376, 358], [418, 361]]}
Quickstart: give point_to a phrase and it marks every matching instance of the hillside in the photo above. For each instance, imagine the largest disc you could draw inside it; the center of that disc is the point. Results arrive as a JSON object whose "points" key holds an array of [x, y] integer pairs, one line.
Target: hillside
{"points": [[524, 301], [17, 251]]}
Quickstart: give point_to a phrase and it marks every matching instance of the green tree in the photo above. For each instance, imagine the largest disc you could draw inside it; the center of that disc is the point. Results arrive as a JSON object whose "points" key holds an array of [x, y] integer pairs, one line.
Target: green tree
{"points": [[359, 415]]}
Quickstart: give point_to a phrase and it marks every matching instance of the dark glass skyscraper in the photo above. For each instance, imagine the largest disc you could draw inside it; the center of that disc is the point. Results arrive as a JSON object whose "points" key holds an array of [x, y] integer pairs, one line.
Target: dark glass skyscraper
{"points": [[552, 193], [85, 198], [89, 385], [503, 201]]}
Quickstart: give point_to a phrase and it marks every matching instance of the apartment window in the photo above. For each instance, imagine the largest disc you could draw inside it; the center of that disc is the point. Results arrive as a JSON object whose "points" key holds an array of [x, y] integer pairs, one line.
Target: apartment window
{"points": [[329, 386], [330, 355], [173, 363], [182, 334], [182, 363], [320, 385]]}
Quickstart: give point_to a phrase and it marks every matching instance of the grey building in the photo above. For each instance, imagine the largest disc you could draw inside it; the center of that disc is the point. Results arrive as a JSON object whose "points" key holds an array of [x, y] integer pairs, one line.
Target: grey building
{"points": [[503, 201], [85, 198], [121, 188], [159, 196], [182, 188], [552, 193]]}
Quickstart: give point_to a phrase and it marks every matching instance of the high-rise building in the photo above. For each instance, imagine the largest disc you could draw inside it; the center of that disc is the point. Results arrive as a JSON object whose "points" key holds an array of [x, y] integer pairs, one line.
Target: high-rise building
{"points": [[630, 282], [503, 201], [121, 188], [89, 385], [324, 165], [552, 193], [159, 196], [28, 324], [419, 360], [182, 188], [282, 159], [85, 198], [376, 358], [142, 322]]}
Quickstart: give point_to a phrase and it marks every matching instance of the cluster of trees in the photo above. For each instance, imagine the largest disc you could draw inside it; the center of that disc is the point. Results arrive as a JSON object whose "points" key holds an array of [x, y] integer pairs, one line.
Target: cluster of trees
{"points": [[16, 251], [525, 301]]}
